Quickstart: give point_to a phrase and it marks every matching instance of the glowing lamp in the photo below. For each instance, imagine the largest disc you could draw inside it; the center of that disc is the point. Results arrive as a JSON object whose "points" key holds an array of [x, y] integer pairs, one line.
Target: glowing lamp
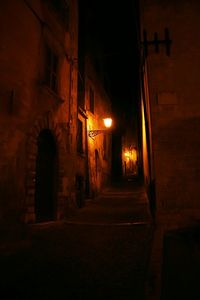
{"points": [[107, 123]]}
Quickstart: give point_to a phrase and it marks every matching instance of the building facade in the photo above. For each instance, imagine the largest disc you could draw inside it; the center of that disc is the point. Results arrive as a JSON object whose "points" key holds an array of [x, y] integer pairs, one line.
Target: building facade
{"points": [[98, 106], [38, 60], [93, 168], [48, 163], [171, 107], [170, 119], [93, 151]]}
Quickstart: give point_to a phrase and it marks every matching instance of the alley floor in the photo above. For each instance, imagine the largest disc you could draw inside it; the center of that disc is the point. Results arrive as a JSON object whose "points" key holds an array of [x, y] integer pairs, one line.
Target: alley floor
{"points": [[100, 253]]}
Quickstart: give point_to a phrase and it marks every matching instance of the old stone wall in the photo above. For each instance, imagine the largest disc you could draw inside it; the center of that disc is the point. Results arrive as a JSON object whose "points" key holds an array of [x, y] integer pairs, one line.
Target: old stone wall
{"points": [[99, 147], [28, 105]]}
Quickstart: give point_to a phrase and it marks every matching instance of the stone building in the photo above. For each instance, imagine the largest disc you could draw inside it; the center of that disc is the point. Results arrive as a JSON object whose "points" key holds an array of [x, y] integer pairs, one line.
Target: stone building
{"points": [[48, 162], [170, 120], [94, 151], [93, 168], [98, 106], [171, 106], [38, 92]]}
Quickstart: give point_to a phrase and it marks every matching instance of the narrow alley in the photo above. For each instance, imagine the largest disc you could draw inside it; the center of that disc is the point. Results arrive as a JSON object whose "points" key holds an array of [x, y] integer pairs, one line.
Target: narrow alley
{"points": [[101, 252], [92, 92]]}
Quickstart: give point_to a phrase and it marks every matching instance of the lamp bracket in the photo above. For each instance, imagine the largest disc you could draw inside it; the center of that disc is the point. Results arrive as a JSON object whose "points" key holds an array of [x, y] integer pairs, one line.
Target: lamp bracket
{"points": [[157, 42], [93, 133]]}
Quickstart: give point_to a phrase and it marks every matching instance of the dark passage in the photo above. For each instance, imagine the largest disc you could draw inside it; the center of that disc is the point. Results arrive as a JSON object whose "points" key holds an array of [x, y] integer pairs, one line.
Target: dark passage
{"points": [[46, 171]]}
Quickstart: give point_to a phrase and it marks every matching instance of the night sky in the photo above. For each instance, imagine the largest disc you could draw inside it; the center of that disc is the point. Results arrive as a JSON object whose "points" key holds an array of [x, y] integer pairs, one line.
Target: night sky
{"points": [[112, 37]]}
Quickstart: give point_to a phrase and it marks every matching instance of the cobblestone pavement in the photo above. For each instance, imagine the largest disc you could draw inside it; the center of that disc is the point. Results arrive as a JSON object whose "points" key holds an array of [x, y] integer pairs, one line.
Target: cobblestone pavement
{"points": [[101, 252]]}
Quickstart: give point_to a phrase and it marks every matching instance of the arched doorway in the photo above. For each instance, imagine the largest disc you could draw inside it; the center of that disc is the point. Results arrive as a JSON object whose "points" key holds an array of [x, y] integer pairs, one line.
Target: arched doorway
{"points": [[46, 177]]}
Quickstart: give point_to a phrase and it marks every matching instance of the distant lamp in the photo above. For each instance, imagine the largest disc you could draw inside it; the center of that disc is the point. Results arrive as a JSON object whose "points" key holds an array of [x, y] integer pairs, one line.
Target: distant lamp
{"points": [[127, 154], [107, 123]]}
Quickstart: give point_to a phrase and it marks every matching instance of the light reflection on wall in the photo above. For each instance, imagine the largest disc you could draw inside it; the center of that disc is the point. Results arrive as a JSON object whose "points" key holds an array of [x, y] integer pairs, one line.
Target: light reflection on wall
{"points": [[144, 148]]}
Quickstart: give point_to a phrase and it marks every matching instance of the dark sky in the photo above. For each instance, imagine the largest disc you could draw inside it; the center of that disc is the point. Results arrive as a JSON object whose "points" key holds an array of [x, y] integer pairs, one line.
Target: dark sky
{"points": [[113, 35]]}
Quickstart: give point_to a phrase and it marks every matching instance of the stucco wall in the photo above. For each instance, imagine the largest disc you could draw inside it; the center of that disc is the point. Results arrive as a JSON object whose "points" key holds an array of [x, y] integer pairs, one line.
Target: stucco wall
{"points": [[174, 86]]}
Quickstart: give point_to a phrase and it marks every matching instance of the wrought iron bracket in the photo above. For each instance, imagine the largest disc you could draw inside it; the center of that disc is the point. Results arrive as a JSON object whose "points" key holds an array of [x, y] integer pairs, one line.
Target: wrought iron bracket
{"points": [[93, 133], [157, 42]]}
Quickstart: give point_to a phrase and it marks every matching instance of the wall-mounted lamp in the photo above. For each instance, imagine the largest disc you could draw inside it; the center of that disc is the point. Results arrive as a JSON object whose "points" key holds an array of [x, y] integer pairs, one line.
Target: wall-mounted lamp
{"points": [[107, 123]]}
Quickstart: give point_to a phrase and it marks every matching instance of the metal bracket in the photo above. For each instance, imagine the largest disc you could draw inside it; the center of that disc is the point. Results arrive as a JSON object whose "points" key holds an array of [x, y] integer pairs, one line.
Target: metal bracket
{"points": [[93, 133], [156, 42]]}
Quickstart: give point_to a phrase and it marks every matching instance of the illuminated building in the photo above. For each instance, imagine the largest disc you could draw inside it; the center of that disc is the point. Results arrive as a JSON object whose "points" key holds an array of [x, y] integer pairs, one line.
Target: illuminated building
{"points": [[94, 159]]}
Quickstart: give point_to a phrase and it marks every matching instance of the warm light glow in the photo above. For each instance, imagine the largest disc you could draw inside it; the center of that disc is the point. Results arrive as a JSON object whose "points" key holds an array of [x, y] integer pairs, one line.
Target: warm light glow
{"points": [[127, 154], [93, 132], [107, 122], [129, 157]]}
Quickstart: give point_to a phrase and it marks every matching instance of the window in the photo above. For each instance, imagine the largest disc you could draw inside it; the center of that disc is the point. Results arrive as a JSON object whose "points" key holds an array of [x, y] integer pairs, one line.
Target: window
{"points": [[79, 137], [91, 100], [51, 69]]}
